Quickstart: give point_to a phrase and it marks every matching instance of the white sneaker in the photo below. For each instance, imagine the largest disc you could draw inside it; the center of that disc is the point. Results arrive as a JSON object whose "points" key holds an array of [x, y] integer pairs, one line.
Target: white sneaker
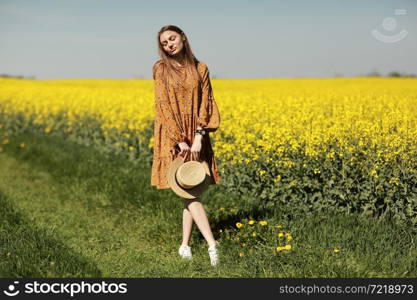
{"points": [[214, 257], [185, 251]]}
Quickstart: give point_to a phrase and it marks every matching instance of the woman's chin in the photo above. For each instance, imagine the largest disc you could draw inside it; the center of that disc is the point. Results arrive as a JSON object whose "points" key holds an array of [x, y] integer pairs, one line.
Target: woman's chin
{"points": [[175, 53]]}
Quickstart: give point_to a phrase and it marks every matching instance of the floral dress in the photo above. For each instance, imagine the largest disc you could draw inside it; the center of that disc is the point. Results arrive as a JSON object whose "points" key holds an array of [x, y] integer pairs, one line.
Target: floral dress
{"points": [[179, 110]]}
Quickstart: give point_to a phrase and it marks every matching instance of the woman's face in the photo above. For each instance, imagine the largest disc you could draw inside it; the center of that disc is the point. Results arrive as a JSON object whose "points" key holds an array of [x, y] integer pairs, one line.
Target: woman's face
{"points": [[171, 42]]}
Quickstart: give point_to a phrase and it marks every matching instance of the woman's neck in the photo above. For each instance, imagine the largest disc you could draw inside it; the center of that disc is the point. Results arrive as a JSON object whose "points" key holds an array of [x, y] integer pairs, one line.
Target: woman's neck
{"points": [[180, 60]]}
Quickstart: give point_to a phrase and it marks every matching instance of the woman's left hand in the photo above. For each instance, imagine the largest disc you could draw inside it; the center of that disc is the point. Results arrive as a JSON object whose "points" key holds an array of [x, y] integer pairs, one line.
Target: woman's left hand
{"points": [[196, 148]]}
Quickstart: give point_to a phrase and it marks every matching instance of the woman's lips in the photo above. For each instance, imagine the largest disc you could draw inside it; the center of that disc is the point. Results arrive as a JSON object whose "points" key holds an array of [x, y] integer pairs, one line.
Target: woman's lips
{"points": [[173, 49]]}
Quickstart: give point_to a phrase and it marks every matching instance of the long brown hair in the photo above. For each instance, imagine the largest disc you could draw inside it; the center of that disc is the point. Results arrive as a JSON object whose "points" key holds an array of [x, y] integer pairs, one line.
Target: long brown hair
{"points": [[170, 68]]}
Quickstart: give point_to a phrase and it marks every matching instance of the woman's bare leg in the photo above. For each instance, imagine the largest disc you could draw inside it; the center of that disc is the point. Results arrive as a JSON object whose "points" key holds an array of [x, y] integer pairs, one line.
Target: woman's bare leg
{"points": [[187, 225], [200, 218]]}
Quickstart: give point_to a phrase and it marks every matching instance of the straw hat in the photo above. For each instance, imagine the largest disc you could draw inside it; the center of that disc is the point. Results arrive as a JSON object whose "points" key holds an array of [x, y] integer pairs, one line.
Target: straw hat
{"points": [[188, 179]]}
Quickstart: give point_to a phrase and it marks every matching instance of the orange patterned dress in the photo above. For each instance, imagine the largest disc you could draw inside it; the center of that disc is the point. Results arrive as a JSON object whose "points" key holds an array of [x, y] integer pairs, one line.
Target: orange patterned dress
{"points": [[179, 110]]}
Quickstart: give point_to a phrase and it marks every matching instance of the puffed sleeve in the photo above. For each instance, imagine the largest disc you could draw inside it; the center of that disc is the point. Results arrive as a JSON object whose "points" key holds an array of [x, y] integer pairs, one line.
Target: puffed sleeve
{"points": [[163, 107], [208, 113]]}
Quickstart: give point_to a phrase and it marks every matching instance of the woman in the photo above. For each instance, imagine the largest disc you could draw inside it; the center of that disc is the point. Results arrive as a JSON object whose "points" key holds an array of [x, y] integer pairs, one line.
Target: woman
{"points": [[184, 105]]}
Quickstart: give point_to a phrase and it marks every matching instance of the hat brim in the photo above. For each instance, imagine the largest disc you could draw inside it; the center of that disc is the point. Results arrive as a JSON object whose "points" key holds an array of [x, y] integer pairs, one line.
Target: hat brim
{"points": [[187, 193]]}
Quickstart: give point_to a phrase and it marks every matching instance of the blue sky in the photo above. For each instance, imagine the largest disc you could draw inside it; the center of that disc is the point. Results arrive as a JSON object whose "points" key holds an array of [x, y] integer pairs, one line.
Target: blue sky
{"points": [[52, 39]]}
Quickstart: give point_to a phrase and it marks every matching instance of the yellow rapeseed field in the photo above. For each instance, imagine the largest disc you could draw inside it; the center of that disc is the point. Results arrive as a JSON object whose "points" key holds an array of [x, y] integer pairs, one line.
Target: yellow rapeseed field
{"points": [[257, 116]]}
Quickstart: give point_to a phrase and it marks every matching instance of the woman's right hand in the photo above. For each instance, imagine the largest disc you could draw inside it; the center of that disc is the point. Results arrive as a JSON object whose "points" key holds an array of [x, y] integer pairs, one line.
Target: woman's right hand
{"points": [[185, 149]]}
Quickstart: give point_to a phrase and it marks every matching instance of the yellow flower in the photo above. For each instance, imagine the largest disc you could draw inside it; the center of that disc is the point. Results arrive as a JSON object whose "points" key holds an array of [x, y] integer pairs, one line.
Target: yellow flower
{"points": [[280, 234], [278, 226], [251, 222], [243, 244], [241, 254], [330, 155], [263, 223], [336, 250], [289, 237], [221, 208], [277, 179], [131, 148], [239, 225], [22, 145], [286, 247], [254, 234], [6, 141]]}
